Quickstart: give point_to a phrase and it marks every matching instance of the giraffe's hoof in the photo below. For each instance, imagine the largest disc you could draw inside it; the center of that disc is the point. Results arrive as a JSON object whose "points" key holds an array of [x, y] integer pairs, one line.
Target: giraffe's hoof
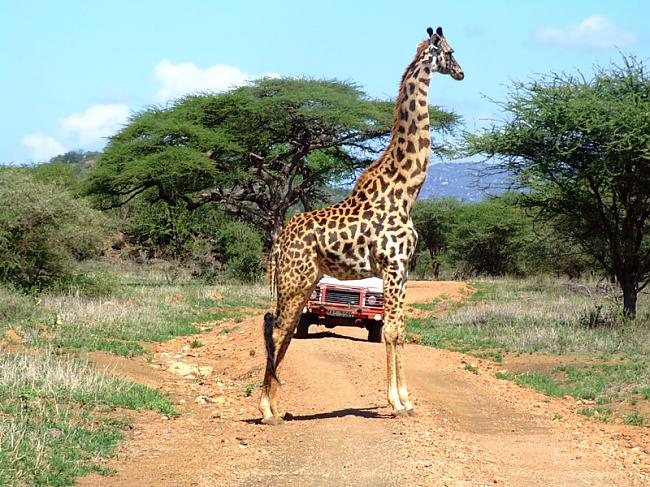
{"points": [[400, 413], [273, 420], [410, 412]]}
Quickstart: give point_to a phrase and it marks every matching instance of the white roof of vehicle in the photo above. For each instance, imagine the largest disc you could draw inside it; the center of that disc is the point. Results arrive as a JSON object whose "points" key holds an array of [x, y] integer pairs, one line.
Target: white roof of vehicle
{"points": [[372, 283]]}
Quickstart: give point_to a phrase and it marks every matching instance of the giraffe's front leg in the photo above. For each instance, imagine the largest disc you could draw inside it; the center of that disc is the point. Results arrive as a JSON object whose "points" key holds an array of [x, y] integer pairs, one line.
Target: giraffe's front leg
{"points": [[394, 294], [402, 390], [391, 370], [393, 316]]}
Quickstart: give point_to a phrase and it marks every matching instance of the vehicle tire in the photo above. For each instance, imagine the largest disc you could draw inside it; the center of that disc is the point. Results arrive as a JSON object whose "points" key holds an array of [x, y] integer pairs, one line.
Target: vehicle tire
{"points": [[375, 332], [303, 327]]}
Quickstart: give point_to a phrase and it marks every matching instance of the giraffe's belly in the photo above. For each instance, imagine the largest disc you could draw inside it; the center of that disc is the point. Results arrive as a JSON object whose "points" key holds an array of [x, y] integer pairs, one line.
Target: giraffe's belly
{"points": [[349, 268]]}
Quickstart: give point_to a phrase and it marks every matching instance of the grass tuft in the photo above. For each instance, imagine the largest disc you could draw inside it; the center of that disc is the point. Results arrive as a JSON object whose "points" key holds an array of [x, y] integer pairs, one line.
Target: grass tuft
{"points": [[635, 419], [53, 417]]}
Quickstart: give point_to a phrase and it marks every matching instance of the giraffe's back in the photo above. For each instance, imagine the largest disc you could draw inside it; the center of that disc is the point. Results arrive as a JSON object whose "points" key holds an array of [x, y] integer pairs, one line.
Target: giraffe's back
{"points": [[345, 240]]}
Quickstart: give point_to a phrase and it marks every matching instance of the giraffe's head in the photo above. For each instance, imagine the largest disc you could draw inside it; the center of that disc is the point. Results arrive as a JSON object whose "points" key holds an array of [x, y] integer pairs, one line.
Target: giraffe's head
{"points": [[442, 54]]}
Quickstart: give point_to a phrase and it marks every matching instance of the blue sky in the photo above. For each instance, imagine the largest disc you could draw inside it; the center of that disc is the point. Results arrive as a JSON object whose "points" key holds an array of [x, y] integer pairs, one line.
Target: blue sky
{"points": [[73, 71]]}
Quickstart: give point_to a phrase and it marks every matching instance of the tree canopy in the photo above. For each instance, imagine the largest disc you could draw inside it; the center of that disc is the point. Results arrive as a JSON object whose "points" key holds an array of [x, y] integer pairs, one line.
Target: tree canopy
{"points": [[581, 147], [256, 151]]}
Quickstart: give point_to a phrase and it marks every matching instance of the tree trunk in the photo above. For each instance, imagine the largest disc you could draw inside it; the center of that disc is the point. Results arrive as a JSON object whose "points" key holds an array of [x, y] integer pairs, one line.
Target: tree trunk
{"points": [[276, 230], [630, 292]]}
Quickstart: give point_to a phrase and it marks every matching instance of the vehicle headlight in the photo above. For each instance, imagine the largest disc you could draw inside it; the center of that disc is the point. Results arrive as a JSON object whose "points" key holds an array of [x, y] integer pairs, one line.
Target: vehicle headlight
{"points": [[314, 295], [372, 300]]}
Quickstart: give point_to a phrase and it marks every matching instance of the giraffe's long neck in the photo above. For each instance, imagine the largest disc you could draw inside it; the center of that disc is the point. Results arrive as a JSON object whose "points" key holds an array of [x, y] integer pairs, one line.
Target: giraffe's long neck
{"points": [[400, 171]]}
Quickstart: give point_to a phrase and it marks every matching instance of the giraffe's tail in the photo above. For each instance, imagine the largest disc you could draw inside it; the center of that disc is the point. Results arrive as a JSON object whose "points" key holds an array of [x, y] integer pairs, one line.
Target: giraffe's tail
{"points": [[272, 271], [269, 324]]}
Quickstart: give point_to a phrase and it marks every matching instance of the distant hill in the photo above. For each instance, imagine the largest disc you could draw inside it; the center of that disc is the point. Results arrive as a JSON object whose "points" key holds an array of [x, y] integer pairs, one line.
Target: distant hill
{"points": [[466, 181]]}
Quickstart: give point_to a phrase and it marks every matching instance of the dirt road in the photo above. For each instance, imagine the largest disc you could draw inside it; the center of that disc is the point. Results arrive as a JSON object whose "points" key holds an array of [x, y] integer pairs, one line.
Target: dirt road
{"points": [[469, 430]]}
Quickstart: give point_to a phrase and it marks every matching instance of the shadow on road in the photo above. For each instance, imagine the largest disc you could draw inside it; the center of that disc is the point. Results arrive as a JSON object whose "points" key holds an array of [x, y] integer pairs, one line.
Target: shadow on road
{"points": [[359, 412], [329, 334]]}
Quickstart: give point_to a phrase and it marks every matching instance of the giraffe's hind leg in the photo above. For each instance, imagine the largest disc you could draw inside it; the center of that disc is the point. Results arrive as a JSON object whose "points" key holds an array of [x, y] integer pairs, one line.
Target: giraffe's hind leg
{"points": [[288, 311]]}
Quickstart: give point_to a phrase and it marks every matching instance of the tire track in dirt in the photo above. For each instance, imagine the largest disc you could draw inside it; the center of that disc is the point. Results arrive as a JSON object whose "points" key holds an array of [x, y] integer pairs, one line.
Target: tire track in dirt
{"points": [[470, 429]]}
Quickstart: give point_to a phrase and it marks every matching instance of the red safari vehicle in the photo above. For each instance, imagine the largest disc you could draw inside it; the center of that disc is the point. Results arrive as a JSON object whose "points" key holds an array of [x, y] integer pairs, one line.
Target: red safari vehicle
{"points": [[345, 303]]}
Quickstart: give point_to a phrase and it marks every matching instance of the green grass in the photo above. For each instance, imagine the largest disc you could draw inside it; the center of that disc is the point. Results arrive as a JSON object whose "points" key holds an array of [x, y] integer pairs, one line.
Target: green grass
{"points": [[601, 413], [602, 383], [471, 368], [252, 387], [55, 417], [534, 316], [635, 419], [230, 329]]}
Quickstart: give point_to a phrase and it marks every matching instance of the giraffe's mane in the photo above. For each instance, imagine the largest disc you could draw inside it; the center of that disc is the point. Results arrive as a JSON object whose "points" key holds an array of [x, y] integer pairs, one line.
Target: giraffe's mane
{"points": [[402, 87], [396, 115]]}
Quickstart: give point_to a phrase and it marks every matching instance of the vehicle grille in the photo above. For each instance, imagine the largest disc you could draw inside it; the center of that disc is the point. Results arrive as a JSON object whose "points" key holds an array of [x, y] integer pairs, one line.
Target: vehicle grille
{"points": [[338, 296], [379, 300]]}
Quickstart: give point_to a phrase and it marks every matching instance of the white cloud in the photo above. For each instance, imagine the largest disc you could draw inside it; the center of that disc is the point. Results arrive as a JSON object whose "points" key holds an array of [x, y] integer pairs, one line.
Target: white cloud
{"points": [[43, 146], [96, 123], [87, 129], [180, 79], [595, 31]]}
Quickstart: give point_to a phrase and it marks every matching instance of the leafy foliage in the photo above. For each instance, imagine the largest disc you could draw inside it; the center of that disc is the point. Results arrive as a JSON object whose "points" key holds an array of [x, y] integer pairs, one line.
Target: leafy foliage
{"points": [[204, 240], [582, 147], [170, 231], [44, 231], [487, 237], [495, 237]]}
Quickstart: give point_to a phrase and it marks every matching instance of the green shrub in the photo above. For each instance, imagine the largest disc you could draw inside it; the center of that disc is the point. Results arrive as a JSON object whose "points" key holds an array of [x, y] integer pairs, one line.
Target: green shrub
{"points": [[204, 240], [44, 231], [243, 249], [170, 231]]}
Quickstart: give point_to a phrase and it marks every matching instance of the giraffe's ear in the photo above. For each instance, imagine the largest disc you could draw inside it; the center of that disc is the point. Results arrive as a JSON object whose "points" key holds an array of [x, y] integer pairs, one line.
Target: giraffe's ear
{"points": [[439, 31], [429, 31]]}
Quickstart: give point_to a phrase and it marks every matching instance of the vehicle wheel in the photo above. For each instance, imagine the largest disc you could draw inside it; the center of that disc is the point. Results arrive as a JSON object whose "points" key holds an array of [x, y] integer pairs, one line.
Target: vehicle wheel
{"points": [[374, 332], [303, 327]]}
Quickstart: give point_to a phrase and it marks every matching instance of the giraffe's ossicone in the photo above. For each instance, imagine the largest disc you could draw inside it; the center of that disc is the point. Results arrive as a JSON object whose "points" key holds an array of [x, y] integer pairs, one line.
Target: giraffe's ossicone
{"points": [[369, 233]]}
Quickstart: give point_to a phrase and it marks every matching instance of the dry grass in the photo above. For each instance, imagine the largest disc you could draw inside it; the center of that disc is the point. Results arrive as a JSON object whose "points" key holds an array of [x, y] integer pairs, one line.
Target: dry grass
{"points": [[144, 305], [607, 355], [549, 316]]}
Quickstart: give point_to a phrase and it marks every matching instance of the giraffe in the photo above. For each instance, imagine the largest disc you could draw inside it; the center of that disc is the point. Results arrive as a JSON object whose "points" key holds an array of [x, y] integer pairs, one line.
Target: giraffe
{"points": [[369, 233]]}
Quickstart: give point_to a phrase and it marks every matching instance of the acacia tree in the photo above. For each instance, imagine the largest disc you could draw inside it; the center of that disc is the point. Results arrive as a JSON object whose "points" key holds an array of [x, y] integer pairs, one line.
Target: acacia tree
{"points": [[256, 151], [582, 148]]}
